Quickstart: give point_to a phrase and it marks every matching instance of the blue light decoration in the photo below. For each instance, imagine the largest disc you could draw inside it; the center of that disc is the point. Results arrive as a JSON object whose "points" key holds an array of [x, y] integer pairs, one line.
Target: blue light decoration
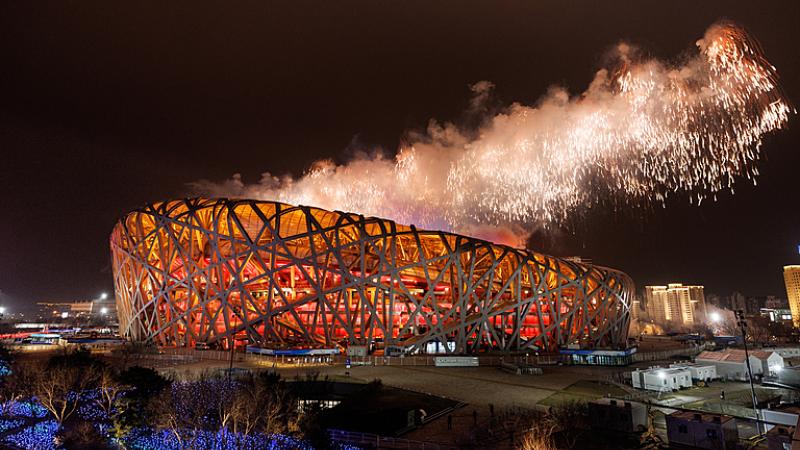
{"points": [[36, 437], [28, 408], [5, 369], [8, 424], [41, 432], [147, 439]]}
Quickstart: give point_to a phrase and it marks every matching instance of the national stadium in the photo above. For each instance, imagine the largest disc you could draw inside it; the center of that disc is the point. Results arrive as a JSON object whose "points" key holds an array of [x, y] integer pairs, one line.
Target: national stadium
{"points": [[269, 275]]}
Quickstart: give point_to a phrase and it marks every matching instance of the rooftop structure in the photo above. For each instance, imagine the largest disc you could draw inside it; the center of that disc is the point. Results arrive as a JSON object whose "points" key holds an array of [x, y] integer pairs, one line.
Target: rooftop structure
{"points": [[702, 430], [731, 362], [609, 414]]}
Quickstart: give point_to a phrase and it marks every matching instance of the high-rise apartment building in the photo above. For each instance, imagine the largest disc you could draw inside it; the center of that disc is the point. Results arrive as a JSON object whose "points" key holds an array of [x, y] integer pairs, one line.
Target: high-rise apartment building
{"points": [[791, 276], [675, 303]]}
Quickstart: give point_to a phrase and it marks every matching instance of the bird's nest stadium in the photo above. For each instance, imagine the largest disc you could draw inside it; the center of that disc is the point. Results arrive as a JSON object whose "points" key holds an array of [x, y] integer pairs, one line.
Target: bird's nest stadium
{"points": [[272, 275]]}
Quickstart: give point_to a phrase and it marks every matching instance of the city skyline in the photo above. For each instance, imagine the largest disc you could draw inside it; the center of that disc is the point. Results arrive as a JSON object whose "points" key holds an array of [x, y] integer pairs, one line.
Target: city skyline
{"points": [[161, 107]]}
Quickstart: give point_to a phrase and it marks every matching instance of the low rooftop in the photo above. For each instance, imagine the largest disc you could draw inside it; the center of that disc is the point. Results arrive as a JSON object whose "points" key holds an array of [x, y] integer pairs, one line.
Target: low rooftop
{"points": [[732, 355]]}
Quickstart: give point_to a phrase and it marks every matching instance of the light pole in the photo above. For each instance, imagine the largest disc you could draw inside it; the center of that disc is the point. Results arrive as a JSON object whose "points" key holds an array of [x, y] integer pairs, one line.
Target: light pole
{"points": [[103, 309], [230, 366], [743, 325]]}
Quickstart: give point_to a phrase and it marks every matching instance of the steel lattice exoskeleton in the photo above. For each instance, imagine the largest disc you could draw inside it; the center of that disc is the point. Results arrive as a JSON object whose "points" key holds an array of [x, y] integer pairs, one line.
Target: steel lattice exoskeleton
{"points": [[213, 270]]}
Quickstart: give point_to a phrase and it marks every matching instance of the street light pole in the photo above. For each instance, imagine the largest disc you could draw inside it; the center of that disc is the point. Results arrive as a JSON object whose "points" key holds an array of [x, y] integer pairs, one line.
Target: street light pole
{"points": [[743, 325]]}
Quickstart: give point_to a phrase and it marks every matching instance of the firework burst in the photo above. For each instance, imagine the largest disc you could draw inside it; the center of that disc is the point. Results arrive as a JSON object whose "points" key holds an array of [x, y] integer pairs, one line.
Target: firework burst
{"points": [[642, 131]]}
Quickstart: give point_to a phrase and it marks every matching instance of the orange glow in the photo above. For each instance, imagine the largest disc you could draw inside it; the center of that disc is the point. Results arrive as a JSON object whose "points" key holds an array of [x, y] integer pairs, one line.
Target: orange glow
{"points": [[212, 270]]}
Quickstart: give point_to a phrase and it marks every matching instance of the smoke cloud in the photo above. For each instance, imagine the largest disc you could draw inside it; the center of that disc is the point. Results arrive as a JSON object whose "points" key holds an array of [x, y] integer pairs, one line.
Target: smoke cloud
{"points": [[643, 130]]}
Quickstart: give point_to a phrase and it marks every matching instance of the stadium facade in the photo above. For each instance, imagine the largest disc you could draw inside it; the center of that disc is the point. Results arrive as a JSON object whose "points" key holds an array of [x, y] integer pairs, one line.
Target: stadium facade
{"points": [[272, 275]]}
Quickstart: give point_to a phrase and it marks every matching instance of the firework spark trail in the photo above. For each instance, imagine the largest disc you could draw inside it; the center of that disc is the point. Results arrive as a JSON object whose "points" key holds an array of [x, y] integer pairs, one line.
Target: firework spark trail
{"points": [[638, 134]]}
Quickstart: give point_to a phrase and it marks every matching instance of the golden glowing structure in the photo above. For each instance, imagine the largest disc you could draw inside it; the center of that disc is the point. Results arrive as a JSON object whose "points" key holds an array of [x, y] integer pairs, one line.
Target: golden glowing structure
{"points": [[276, 275], [791, 276]]}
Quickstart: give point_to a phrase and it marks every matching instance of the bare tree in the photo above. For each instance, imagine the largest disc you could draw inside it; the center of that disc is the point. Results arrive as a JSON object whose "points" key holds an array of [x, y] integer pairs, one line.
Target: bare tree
{"points": [[164, 415], [186, 409], [110, 391], [758, 330], [261, 404], [59, 388], [559, 429], [225, 394], [246, 409], [16, 386]]}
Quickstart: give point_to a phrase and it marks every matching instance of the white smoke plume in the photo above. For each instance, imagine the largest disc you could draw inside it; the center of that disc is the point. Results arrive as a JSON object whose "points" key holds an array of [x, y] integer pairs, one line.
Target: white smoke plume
{"points": [[643, 130]]}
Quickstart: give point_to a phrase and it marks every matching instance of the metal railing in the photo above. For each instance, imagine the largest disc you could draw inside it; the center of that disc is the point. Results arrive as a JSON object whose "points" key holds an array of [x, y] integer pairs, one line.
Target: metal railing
{"points": [[370, 440]]}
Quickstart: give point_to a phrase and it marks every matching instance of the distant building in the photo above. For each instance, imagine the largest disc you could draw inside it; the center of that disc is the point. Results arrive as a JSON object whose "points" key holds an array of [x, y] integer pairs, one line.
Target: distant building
{"points": [[82, 309], [754, 304], [737, 301], [791, 276], [773, 302], [776, 315], [701, 430], [787, 352], [676, 303], [636, 310], [718, 301]]}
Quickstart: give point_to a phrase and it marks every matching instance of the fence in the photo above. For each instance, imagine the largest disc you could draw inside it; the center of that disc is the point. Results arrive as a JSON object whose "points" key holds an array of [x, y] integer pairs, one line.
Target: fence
{"points": [[411, 360], [667, 354], [429, 360], [214, 355], [521, 370], [369, 440]]}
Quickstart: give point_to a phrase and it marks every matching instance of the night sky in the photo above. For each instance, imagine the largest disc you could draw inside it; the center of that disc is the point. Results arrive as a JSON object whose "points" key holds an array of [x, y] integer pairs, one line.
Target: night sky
{"points": [[104, 108]]}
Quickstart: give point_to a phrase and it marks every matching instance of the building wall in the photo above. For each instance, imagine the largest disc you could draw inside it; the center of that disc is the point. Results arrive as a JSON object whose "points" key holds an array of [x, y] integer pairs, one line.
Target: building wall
{"points": [[696, 433], [657, 379], [704, 372], [788, 352], [655, 303], [791, 277], [698, 301], [775, 361], [679, 296], [636, 312], [609, 414], [732, 370]]}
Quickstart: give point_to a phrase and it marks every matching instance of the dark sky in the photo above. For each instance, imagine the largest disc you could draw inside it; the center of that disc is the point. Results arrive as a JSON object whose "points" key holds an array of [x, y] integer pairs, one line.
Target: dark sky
{"points": [[105, 107]]}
